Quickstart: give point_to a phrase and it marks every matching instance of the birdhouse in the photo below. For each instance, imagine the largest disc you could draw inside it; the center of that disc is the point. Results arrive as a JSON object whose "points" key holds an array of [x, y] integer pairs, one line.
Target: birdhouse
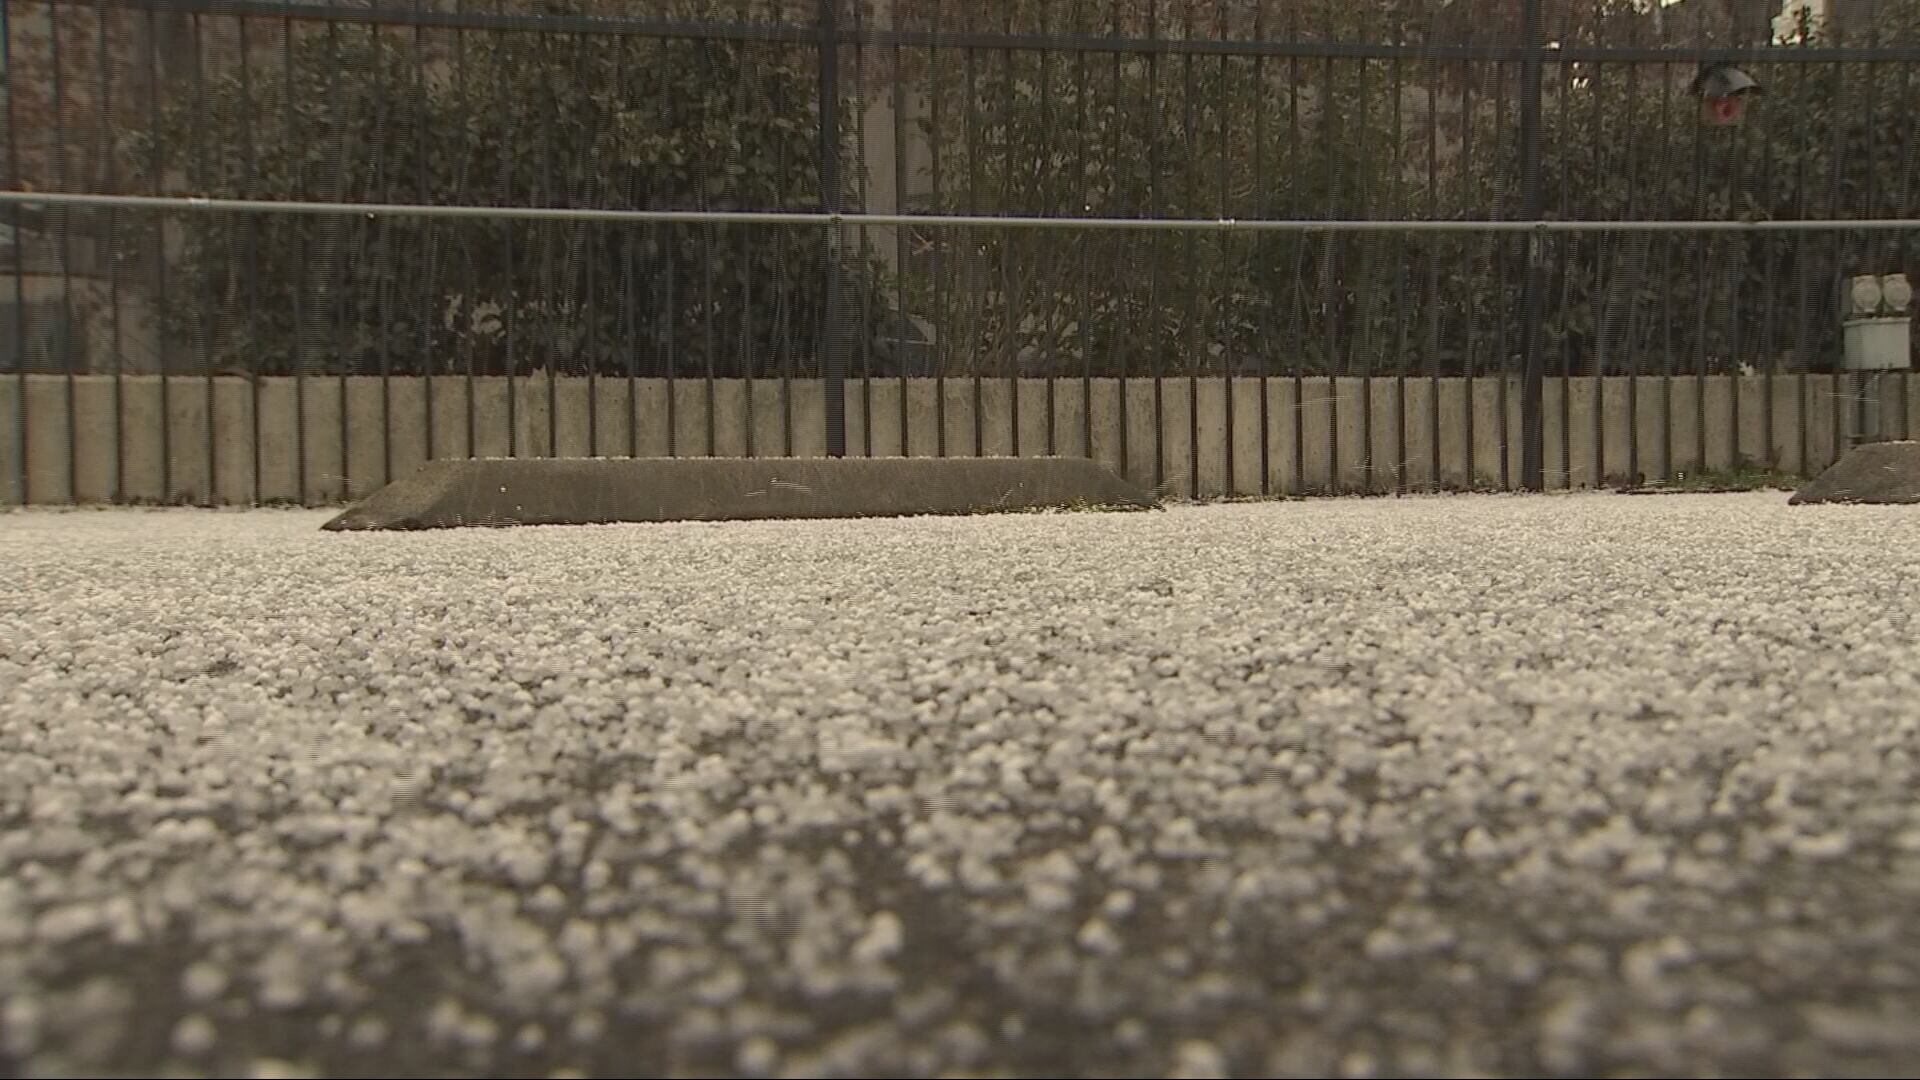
{"points": [[1723, 91]]}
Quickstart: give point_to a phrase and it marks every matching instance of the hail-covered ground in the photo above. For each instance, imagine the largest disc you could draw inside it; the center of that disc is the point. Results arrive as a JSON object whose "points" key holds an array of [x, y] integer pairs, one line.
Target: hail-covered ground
{"points": [[1467, 785]]}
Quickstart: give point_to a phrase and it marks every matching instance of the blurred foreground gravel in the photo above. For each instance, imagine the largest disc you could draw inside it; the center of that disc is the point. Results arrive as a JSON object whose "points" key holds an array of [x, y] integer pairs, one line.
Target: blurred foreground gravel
{"points": [[1468, 785]]}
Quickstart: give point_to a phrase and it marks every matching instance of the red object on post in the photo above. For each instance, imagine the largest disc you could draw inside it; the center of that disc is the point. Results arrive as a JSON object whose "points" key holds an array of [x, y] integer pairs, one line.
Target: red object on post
{"points": [[1721, 111], [1721, 88]]}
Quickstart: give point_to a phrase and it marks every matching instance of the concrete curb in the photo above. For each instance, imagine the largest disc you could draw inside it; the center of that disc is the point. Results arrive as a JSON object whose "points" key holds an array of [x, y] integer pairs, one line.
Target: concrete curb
{"points": [[591, 491]]}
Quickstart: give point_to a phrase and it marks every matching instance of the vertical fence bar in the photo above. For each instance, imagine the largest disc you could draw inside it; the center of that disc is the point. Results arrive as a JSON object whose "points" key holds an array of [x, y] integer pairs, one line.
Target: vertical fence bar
{"points": [[898, 320], [1010, 320], [1533, 370], [548, 238], [19, 260], [1083, 314], [1222, 299], [1704, 275], [1262, 204], [341, 278], [510, 319], [1836, 268], [1702, 247], [1769, 345], [385, 243], [1332, 247], [1565, 262], [1667, 241], [1843, 384], [1051, 194], [941, 238], [1154, 195], [1435, 70], [1469, 255], [970, 267], [630, 307], [1732, 363], [1900, 245], [744, 347], [739, 101], [666, 324], [429, 244], [250, 163], [69, 362], [388, 246], [1360, 339], [1803, 351], [1191, 339], [710, 350], [1640, 251], [110, 177], [1297, 294], [1563, 258], [834, 357], [1119, 293], [783, 307], [203, 297], [297, 357], [1504, 353], [588, 339], [158, 164], [468, 273], [864, 248], [1401, 278]]}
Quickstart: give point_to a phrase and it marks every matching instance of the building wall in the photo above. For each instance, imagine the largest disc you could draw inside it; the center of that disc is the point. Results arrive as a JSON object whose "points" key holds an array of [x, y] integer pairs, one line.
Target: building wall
{"points": [[1848, 18]]}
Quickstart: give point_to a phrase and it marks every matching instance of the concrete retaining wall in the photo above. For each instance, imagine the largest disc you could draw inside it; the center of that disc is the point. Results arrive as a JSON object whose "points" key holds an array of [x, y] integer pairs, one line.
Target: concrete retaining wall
{"points": [[141, 439]]}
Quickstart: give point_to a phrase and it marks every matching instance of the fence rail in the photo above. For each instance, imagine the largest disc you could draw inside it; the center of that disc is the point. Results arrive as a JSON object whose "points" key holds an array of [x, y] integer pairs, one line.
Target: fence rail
{"points": [[861, 32], [196, 204], [1506, 192]]}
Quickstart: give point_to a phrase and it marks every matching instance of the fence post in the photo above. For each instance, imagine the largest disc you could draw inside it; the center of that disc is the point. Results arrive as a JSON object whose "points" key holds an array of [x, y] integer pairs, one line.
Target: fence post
{"points": [[1533, 289], [833, 345]]}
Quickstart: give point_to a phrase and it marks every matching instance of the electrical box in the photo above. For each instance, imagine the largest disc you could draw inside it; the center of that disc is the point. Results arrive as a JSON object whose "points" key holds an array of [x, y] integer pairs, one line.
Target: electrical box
{"points": [[1881, 344], [1877, 324]]}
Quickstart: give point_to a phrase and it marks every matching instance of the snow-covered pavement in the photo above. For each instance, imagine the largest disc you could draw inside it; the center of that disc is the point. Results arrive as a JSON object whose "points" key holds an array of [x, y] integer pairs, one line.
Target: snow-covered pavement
{"points": [[1447, 785]]}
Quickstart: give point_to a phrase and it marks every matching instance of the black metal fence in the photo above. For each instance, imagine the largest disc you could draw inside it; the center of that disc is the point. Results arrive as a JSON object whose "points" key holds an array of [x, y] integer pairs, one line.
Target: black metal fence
{"points": [[1464, 112]]}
